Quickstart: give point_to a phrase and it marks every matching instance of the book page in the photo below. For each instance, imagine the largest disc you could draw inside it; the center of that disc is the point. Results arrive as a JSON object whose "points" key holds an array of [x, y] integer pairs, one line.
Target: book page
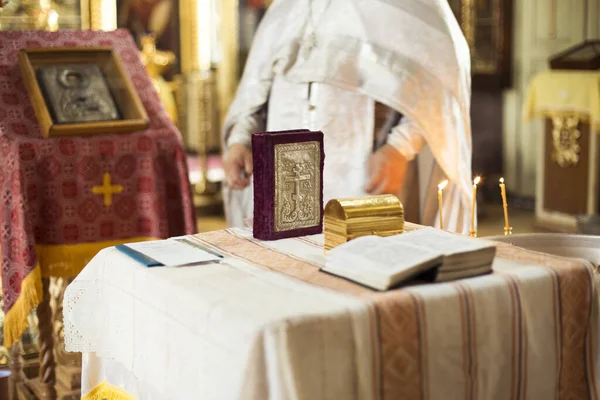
{"points": [[377, 255], [444, 242]]}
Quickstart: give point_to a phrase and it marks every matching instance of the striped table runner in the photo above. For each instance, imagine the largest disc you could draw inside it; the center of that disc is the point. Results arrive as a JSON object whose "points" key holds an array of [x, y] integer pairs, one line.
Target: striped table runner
{"points": [[527, 331]]}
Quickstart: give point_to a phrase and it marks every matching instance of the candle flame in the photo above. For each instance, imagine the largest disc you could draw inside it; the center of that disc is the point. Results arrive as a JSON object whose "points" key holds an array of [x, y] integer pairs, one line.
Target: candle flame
{"points": [[442, 185], [501, 180], [476, 180], [52, 20]]}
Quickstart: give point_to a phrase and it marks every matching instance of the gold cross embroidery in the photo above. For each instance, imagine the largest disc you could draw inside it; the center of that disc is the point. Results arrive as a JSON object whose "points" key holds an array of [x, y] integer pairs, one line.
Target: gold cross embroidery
{"points": [[107, 190]]}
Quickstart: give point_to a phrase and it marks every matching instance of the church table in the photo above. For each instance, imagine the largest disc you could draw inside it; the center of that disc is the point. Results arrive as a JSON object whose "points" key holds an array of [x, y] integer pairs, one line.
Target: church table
{"points": [[568, 169], [62, 199], [265, 323]]}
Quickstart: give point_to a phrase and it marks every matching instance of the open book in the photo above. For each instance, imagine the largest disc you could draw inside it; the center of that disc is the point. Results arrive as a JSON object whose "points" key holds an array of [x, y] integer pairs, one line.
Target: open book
{"points": [[383, 262]]}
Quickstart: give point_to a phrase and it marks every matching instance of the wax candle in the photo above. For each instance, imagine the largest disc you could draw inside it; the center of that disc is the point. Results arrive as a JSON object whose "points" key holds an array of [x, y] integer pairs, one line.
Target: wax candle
{"points": [[441, 187], [507, 228], [473, 232], [52, 21]]}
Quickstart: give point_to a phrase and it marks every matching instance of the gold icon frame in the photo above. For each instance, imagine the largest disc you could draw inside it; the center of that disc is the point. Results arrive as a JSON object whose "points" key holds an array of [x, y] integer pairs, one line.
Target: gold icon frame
{"points": [[128, 102]]}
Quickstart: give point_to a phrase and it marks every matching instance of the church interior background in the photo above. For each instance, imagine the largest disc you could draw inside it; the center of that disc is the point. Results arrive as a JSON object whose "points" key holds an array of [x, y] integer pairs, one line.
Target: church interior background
{"points": [[194, 51]]}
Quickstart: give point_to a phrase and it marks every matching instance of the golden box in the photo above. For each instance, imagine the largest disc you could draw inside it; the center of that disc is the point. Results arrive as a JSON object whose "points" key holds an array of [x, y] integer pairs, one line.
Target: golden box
{"points": [[349, 218]]}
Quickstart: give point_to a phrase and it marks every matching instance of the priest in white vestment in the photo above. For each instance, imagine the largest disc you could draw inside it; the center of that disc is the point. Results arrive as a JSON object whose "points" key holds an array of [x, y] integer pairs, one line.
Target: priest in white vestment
{"points": [[335, 66]]}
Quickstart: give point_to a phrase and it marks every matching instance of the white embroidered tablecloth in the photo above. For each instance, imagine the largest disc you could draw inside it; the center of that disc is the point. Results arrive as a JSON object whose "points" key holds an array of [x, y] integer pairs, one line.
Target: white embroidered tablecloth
{"points": [[266, 324]]}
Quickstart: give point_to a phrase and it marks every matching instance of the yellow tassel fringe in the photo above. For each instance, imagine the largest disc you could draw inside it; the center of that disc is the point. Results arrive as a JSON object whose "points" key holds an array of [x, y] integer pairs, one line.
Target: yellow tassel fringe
{"points": [[105, 391], [62, 261], [15, 321]]}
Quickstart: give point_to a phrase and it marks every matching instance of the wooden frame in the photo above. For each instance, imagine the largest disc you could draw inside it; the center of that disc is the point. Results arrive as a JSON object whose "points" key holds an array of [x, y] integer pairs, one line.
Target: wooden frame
{"points": [[488, 28], [584, 56], [134, 117]]}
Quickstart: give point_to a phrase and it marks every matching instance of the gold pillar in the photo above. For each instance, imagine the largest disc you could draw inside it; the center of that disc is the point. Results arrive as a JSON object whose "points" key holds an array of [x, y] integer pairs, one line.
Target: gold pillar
{"points": [[209, 77], [196, 92], [228, 70], [98, 14]]}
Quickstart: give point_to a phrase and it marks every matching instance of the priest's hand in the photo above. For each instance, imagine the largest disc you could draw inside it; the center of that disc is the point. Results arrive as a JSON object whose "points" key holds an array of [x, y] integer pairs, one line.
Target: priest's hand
{"points": [[238, 166], [386, 171]]}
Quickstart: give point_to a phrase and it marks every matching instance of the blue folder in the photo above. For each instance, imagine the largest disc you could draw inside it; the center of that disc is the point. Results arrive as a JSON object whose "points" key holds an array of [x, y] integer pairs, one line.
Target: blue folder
{"points": [[137, 256]]}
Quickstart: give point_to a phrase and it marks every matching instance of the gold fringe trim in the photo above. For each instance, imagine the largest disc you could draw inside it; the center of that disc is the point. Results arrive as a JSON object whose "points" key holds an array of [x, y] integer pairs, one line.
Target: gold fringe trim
{"points": [[15, 320], [105, 391], [67, 260], [583, 116], [61, 261]]}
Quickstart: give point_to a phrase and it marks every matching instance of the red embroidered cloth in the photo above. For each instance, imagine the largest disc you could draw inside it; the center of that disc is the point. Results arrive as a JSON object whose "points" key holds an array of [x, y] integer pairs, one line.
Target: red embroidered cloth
{"points": [[46, 183]]}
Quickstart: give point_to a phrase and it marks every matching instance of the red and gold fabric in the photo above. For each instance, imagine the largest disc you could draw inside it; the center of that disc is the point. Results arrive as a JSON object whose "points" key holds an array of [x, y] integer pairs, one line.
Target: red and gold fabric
{"points": [[64, 199]]}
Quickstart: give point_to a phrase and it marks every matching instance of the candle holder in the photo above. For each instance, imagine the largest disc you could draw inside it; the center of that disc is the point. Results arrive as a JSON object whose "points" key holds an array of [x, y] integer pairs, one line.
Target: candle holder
{"points": [[507, 227], [473, 231], [441, 187]]}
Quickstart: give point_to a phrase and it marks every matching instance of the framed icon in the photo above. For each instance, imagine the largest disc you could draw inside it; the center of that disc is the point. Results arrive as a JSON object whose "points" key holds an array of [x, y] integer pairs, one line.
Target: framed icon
{"points": [[81, 91]]}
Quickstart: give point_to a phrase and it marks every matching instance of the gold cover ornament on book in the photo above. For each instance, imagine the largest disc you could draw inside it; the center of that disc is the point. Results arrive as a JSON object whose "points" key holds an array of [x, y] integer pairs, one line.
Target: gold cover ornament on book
{"points": [[297, 185], [349, 218]]}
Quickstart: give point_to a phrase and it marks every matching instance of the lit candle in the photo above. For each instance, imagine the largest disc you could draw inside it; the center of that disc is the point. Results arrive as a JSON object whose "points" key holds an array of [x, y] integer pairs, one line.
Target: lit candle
{"points": [[507, 228], [441, 187], [52, 21], [473, 232]]}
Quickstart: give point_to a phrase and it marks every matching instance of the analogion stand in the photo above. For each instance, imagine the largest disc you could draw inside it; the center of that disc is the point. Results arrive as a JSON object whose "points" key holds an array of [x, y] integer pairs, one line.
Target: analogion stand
{"points": [[568, 149], [65, 198]]}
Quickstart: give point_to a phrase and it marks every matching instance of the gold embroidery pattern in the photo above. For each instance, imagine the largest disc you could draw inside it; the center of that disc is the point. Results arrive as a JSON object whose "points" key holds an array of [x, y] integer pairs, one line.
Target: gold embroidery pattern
{"points": [[565, 137], [297, 185]]}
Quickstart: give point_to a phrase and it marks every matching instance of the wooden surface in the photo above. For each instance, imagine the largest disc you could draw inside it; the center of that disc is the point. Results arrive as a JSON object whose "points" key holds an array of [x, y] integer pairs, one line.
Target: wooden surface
{"points": [[16, 369], [545, 225], [572, 58], [37, 389], [47, 363], [566, 189], [4, 378], [52, 374]]}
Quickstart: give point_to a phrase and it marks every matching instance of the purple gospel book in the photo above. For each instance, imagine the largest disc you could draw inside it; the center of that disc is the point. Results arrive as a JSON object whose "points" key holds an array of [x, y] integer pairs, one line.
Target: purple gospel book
{"points": [[288, 183]]}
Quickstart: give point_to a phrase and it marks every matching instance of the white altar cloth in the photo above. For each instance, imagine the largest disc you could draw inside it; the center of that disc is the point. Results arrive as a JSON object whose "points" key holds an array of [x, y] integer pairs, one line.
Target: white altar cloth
{"points": [[242, 330], [218, 331]]}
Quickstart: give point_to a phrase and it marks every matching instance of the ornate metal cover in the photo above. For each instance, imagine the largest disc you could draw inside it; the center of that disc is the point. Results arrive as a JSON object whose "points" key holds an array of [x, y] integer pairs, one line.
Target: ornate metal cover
{"points": [[77, 93], [297, 185]]}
